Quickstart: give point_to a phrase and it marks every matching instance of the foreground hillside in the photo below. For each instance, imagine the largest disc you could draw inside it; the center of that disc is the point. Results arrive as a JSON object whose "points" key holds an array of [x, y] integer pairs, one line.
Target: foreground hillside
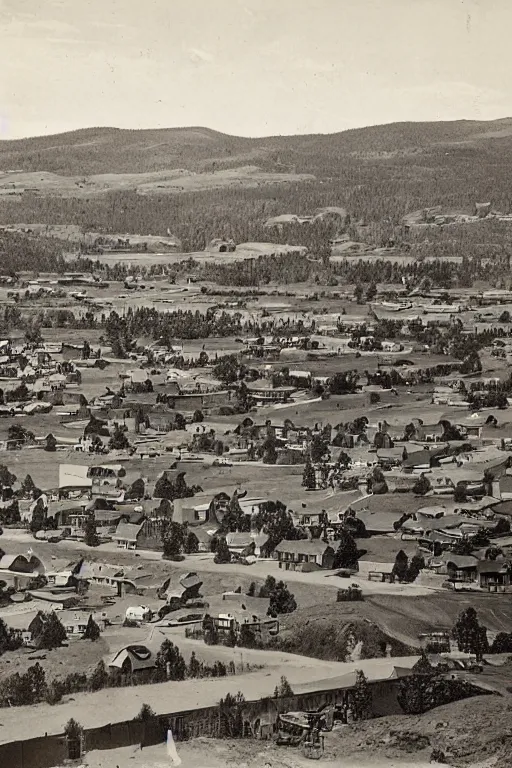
{"points": [[397, 742]]}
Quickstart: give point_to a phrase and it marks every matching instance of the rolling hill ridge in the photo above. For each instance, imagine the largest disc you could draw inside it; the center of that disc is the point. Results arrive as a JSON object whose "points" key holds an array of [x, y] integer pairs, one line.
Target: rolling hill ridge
{"points": [[113, 150]]}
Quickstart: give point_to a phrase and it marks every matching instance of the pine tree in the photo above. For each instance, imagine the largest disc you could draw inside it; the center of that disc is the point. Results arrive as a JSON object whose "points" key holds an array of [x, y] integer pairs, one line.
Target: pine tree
{"points": [[28, 485], [146, 714], [194, 666], [471, 637], [401, 566], [36, 682], [92, 630], [91, 537], [169, 663], [118, 441], [49, 632], [136, 490], [38, 516], [164, 489], [173, 540], [347, 553], [284, 688], [416, 565], [223, 554], [362, 696], [308, 476]]}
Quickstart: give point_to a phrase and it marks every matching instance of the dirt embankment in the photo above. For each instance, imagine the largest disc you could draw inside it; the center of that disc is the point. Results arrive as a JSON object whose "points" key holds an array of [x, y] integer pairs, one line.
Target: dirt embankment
{"points": [[465, 731], [344, 640], [476, 732]]}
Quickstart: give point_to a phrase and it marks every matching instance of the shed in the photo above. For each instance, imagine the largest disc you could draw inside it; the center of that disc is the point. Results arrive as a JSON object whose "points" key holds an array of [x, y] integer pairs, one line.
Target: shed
{"points": [[377, 571]]}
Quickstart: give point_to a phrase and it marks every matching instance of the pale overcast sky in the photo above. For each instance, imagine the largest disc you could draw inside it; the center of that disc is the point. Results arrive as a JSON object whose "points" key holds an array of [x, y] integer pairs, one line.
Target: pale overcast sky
{"points": [[251, 67]]}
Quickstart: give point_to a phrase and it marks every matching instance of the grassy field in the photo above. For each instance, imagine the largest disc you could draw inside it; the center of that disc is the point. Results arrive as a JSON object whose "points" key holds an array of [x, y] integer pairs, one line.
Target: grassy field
{"points": [[159, 182]]}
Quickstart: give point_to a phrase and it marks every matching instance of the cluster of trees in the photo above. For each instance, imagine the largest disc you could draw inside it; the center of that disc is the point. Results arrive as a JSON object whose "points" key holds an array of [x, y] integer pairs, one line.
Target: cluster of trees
{"points": [[276, 521], [281, 599], [426, 689], [168, 327], [405, 570], [177, 488], [177, 540]]}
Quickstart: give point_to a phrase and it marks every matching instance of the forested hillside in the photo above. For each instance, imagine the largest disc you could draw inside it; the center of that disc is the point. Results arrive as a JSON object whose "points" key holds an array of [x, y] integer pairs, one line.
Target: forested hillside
{"points": [[378, 174]]}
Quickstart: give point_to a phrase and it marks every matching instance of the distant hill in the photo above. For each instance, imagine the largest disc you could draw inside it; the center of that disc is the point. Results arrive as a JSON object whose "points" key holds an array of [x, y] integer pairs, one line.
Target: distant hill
{"points": [[113, 150]]}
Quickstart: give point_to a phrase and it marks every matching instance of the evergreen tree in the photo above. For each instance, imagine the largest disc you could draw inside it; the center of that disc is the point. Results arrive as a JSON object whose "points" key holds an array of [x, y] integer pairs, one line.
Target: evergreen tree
{"points": [[347, 553], [191, 545], [194, 666], [10, 639], [91, 537], [223, 555], [422, 485], [48, 631], [416, 565], [284, 688], [371, 292], [274, 520], [99, 677], [36, 682], [38, 520], [362, 697], [308, 476], [136, 490], [234, 518], [471, 637], [210, 632], [28, 486], [173, 540], [401, 566], [92, 630], [146, 714], [164, 488], [170, 664]]}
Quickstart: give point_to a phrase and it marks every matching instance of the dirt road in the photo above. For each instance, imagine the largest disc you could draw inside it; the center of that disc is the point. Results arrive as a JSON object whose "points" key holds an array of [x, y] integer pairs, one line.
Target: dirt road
{"points": [[18, 541]]}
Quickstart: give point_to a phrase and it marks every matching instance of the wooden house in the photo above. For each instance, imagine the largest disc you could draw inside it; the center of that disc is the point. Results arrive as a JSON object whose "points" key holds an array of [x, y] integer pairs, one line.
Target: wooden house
{"points": [[495, 575], [304, 554]]}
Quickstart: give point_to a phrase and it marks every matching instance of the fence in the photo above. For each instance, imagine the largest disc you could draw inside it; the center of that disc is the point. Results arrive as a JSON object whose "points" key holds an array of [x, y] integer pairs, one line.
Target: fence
{"points": [[52, 750]]}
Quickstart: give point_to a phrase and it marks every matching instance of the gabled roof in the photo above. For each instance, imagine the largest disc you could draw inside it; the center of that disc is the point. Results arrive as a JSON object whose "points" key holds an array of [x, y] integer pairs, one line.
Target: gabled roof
{"points": [[304, 547], [128, 531]]}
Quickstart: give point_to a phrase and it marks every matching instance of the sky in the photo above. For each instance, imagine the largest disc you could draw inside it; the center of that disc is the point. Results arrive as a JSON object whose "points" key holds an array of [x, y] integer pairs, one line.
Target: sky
{"points": [[250, 67]]}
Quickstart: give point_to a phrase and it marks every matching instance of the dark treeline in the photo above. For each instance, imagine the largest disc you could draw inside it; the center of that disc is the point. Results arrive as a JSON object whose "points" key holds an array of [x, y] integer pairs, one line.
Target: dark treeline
{"points": [[21, 253], [293, 268]]}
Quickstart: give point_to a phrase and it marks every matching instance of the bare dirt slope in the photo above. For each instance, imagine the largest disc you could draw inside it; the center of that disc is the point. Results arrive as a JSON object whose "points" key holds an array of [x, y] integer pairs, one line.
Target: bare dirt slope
{"points": [[394, 742]]}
